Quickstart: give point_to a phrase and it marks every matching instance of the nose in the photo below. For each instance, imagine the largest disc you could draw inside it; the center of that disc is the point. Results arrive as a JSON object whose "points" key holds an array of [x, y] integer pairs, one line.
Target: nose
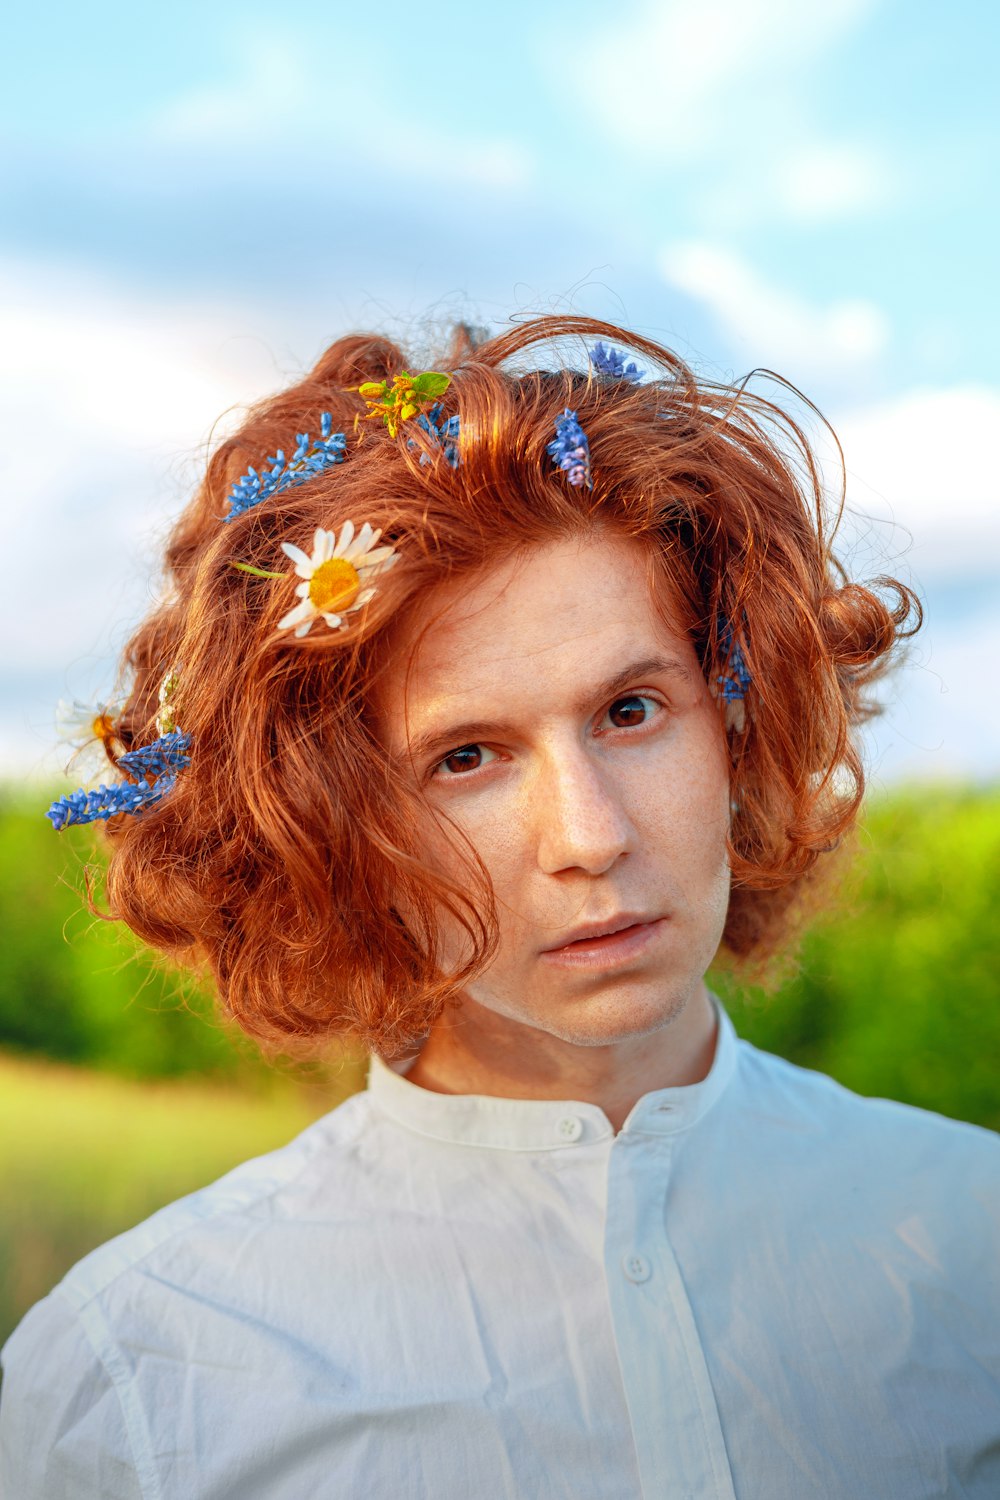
{"points": [[579, 814]]}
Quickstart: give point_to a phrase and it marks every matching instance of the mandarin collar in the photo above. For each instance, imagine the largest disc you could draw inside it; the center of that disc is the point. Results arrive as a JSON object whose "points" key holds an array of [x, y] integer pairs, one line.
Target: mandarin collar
{"points": [[544, 1124]]}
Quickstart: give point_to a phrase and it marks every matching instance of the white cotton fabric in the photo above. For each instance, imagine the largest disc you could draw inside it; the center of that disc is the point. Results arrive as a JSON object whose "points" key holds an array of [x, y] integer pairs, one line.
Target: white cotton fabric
{"points": [[762, 1288]]}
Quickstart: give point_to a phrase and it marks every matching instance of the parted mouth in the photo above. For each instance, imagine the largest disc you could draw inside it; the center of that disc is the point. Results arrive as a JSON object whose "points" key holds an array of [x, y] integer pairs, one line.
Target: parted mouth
{"points": [[617, 923]]}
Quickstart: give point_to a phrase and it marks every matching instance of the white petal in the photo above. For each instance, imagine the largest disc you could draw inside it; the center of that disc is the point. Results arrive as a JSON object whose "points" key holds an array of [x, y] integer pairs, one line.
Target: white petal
{"points": [[379, 558], [302, 591], [304, 629], [333, 621], [362, 598], [303, 611], [346, 533], [322, 546], [303, 562], [365, 538]]}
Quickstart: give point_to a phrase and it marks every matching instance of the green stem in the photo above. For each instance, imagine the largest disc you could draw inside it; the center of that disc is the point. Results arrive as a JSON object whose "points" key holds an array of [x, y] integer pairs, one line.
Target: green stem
{"points": [[257, 572]]}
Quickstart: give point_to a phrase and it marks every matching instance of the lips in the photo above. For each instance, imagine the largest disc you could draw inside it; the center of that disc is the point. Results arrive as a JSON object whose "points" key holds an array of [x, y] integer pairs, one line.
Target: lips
{"points": [[594, 930]]}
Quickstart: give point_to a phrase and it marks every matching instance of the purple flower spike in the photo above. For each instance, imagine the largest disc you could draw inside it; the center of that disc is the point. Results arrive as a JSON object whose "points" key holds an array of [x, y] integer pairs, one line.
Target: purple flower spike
{"points": [[737, 680], [444, 433], [168, 753], [570, 449], [609, 362], [161, 760], [307, 460], [732, 683]]}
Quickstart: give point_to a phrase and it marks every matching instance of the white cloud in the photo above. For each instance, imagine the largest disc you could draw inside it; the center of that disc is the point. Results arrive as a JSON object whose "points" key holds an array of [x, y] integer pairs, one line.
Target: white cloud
{"points": [[273, 98], [117, 369], [107, 400], [771, 325], [104, 400], [806, 184], [825, 180], [720, 96], [921, 465], [269, 91], [940, 721], [925, 463], [670, 78]]}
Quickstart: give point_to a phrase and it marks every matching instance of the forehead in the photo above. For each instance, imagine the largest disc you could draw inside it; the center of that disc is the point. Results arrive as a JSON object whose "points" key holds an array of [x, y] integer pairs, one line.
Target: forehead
{"points": [[556, 619]]}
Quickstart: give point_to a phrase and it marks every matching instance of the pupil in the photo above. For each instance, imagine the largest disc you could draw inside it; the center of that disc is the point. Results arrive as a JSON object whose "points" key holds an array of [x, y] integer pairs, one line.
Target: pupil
{"points": [[465, 759], [628, 711]]}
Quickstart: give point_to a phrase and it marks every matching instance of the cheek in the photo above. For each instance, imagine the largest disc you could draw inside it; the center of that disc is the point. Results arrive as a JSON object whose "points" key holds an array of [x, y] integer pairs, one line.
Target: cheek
{"points": [[683, 809], [492, 829], [451, 849]]}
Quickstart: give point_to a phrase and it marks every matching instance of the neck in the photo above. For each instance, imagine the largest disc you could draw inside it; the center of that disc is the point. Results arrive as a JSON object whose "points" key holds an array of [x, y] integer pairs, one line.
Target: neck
{"points": [[475, 1050]]}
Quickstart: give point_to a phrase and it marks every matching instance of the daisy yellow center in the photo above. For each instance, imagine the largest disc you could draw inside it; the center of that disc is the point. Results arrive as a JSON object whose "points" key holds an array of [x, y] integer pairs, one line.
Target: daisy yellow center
{"points": [[334, 585]]}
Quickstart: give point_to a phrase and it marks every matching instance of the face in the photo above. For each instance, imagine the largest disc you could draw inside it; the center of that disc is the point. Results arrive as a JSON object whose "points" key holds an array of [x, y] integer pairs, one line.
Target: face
{"points": [[552, 716]]}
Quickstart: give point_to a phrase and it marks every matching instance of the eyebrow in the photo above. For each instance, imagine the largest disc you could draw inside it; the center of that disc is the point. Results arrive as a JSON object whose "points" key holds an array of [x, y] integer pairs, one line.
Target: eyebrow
{"points": [[471, 730]]}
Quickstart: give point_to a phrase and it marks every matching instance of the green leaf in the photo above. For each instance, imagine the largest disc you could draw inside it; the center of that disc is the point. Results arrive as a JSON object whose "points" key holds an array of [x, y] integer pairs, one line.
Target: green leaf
{"points": [[431, 383], [257, 572]]}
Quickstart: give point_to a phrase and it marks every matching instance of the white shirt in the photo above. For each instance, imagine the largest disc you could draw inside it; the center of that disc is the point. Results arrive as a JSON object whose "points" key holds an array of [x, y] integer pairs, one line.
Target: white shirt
{"points": [[762, 1288]]}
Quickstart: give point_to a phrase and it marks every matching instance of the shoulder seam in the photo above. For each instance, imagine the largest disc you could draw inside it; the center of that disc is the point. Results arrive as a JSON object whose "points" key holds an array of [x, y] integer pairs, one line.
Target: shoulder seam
{"points": [[145, 1472], [81, 1297]]}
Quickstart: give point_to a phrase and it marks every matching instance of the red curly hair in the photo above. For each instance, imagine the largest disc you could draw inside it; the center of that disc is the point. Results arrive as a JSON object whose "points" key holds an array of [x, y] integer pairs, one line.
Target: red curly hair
{"points": [[284, 854]]}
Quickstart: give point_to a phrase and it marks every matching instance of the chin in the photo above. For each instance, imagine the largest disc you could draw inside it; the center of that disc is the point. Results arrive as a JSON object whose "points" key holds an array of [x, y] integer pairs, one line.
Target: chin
{"points": [[614, 1014]]}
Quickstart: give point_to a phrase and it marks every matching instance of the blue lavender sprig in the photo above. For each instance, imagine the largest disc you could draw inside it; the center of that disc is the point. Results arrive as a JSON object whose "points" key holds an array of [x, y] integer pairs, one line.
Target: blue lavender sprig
{"points": [[162, 759], [610, 362], [570, 449], [736, 679], [307, 460], [124, 797], [168, 753], [444, 433]]}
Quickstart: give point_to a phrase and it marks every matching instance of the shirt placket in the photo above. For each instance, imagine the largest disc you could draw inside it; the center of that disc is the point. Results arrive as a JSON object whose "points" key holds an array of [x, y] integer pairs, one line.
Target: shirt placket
{"points": [[676, 1429]]}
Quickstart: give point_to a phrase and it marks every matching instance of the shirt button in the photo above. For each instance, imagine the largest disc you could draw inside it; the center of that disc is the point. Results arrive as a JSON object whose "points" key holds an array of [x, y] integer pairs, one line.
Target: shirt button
{"points": [[636, 1267], [569, 1128]]}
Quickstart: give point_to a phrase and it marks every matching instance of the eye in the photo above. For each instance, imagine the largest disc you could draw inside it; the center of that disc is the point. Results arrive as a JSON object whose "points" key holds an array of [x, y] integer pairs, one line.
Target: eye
{"points": [[631, 711], [465, 758]]}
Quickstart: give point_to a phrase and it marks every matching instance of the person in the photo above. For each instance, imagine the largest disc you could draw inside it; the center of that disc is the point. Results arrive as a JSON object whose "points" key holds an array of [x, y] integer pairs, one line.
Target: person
{"points": [[476, 730]]}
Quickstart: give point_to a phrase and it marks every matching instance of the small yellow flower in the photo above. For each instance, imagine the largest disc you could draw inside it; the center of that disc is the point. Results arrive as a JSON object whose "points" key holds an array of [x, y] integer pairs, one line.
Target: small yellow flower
{"points": [[335, 576], [404, 398]]}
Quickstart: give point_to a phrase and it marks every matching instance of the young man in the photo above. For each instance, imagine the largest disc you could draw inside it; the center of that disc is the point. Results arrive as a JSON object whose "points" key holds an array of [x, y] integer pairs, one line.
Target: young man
{"points": [[575, 1238]]}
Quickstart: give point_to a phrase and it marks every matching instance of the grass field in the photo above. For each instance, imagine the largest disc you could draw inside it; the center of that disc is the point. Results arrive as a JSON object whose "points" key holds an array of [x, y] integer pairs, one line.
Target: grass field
{"points": [[84, 1155]]}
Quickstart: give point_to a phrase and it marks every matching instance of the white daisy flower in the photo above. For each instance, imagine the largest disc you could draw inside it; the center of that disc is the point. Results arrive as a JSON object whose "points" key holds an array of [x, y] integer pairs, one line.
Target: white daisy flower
{"points": [[335, 576], [81, 723], [87, 728]]}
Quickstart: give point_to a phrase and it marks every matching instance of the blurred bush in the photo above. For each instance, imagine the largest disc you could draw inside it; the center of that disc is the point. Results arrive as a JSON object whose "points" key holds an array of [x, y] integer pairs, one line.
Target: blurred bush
{"points": [[79, 989], [896, 994], [897, 991]]}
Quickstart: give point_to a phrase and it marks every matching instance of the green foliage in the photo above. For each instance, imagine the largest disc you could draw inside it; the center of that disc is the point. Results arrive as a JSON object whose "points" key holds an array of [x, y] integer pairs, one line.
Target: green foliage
{"points": [[80, 989], [898, 993]]}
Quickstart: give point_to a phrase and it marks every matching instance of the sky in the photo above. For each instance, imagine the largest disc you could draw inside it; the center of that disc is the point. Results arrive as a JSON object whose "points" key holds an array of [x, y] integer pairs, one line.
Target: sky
{"points": [[195, 200]]}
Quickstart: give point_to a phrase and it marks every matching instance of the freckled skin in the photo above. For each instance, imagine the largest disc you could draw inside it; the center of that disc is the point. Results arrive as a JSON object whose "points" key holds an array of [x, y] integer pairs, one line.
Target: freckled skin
{"points": [[579, 813]]}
